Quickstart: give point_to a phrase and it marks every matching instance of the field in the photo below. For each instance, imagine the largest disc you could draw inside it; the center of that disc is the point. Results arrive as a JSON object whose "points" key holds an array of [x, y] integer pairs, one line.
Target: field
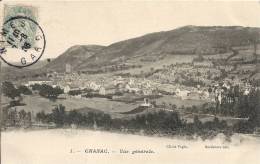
{"points": [[178, 102], [167, 60], [37, 104]]}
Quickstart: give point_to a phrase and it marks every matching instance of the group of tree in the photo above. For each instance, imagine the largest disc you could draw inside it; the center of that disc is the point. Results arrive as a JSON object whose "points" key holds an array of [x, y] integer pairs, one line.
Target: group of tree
{"points": [[48, 91], [9, 90], [246, 107], [12, 117], [44, 90], [62, 118], [153, 123], [188, 81]]}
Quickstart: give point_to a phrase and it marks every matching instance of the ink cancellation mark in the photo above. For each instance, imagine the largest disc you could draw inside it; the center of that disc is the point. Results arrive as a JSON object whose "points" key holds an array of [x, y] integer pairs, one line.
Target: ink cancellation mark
{"points": [[22, 43]]}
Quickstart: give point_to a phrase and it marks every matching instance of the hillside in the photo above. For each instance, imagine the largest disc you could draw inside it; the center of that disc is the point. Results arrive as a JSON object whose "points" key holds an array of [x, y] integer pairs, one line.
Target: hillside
{"points": [[151, 50], [74, 56], [38, 64], [188, 40], [13, 73]]}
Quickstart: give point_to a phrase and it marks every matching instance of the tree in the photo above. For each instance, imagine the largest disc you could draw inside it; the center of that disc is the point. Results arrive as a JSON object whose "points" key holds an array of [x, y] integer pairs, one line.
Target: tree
{"points": [[22, 114], [24, 90], [41, 116], [151, 69], [74, 92], [210, 90], [10, 91], [36, 87], [164, 104], [174, 106], [58, 115], [29, 118], [50, 92], [12, 116]]}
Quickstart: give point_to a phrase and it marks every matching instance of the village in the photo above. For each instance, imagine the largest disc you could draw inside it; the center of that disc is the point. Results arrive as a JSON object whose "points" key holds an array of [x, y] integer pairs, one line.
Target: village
{"points": [[199, 81], [205, 86], [190, 89]]}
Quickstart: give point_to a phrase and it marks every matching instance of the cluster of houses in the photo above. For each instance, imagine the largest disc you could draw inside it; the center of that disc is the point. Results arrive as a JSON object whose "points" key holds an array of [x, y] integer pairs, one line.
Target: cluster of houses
{"points": [[229, 92], [162, 82], [109, 86], [198, 71]]}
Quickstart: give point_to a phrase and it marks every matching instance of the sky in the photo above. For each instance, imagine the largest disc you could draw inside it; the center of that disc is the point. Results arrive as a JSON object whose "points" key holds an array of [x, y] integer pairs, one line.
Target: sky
{"points": [[67, 23]]}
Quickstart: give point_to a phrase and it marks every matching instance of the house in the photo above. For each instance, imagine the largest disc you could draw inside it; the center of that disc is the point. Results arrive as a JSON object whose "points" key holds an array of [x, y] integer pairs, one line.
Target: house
{"points": [[147, 91], [78, 96], [54, 86], [102, 91], [182, 93], [62, 96], [204, 63], [130, 89], [205, 95], [131, 82], [40, 82], [246, 92], [110, 91], [225, 67], [68, 68], [218, 96], [52, 74], [167, 88], [146, 103], [66, 89], [69, 88], [94, 86], [193, 96], [119, 80]]}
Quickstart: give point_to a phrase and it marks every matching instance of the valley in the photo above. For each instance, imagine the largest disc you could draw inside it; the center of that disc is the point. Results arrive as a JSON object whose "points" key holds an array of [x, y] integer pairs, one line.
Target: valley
{"points": [[197, 72]]}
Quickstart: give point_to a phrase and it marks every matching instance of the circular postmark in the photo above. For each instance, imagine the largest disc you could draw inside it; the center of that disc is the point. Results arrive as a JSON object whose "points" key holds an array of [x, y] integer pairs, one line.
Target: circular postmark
{"points": [[22, 43]]}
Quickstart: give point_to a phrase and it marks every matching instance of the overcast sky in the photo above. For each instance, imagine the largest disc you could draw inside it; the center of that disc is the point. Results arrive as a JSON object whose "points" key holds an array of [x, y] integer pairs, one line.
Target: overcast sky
{"points": [[70, 23]]}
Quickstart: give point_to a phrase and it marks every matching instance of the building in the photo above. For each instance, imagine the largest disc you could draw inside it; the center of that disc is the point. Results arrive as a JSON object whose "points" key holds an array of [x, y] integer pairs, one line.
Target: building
{"points": [[68, 68], [102, 91], [203, 63], [193, 96], [94, 86], [147, 91], [130, 89], [69, 88], [66, 89], [183, 94], [40, 82], [146, 103]]}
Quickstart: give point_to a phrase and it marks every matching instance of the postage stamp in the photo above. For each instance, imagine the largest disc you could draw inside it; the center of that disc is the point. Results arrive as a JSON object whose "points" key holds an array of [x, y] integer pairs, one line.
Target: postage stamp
{"points": [[22, 41]]}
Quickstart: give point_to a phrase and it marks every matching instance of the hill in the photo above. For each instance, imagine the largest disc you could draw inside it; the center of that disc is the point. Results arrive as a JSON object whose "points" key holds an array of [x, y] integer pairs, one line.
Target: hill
{"points": [[187, 40], [151, 50], [74, 56]]}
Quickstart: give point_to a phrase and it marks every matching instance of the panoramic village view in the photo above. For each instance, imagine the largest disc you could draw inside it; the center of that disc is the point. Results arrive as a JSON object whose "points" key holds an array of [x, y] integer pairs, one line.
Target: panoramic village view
{"points": [[191, 81]]}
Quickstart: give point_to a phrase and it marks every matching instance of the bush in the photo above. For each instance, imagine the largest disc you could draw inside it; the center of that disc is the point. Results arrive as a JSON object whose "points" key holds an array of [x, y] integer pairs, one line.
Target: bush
{"points": [[24, 90], [9, 90], [50, 92]]}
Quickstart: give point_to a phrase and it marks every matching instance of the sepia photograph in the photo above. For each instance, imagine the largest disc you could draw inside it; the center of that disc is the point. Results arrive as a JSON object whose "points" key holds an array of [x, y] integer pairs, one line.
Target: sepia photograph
{"points": [[129, 82]]}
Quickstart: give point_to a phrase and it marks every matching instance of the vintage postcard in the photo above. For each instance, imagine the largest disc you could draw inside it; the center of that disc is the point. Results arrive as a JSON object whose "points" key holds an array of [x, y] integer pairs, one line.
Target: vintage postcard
{"points": [[89, 82]]}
